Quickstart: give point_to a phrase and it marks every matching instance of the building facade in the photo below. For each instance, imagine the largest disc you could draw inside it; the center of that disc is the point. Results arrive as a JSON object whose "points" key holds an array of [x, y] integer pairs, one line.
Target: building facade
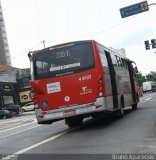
{"points": [[14, 86], [8, 94], [4, 48], [24, 88], [8, 86]]}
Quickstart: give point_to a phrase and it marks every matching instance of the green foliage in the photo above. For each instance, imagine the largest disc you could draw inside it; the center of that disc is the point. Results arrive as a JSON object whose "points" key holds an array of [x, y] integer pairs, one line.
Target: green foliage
{"points": [[149, 77], [140, 78]]}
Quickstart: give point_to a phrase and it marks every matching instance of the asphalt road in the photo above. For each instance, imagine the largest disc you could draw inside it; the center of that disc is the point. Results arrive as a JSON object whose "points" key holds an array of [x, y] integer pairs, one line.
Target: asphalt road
{"points": [[135, 133]]}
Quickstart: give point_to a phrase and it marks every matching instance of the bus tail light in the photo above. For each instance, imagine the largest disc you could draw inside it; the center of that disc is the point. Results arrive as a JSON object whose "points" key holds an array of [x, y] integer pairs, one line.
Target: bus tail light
{"points": [[100, 87], [35, 99], [41, 115]]}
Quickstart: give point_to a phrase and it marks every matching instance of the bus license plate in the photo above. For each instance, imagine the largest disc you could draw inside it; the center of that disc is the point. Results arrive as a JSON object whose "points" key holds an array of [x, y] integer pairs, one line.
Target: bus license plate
{"points": [[69, 112]]}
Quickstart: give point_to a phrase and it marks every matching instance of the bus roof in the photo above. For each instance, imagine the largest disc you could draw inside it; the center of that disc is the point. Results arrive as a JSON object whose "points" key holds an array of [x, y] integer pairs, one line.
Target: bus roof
{"points": [[58, 46]]}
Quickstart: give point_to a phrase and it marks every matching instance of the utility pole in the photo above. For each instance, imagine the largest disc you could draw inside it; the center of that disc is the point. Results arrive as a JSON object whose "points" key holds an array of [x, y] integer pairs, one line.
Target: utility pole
{"points": [[152, 4], [43, 43]]}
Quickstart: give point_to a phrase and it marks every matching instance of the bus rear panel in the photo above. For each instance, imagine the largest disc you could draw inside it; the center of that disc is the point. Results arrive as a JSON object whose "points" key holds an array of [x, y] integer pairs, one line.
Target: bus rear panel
{"points": [[67, 81]]}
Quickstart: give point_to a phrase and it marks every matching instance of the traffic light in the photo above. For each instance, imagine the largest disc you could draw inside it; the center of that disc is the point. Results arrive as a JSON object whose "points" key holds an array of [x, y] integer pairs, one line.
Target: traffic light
{"points": [[147, 45], [153, 43]]}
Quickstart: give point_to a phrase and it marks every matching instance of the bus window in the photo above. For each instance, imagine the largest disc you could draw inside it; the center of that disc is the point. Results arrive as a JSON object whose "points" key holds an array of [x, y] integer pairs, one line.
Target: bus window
{"points": [[63, 61], [102, 55], [114, 61], [118, 61], [103, 60], [123, 63], [42, 66]]}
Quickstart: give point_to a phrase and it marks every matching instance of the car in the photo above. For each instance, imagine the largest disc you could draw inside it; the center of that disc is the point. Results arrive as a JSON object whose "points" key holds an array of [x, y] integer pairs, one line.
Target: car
{"points": [[28, 107], [5, 114], [16, 109]]}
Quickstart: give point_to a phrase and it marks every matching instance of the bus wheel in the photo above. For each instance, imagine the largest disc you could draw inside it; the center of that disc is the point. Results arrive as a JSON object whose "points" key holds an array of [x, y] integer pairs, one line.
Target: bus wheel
{"points": [[120, 112], [74, 121], [135, 106]]}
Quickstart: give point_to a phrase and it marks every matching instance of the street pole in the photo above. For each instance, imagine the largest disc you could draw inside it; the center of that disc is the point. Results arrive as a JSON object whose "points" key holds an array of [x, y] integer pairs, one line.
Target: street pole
{"points": [[43, 43], [152, 4]]}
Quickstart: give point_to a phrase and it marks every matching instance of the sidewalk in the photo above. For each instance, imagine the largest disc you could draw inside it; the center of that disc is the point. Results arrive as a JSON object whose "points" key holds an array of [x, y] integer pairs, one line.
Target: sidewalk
{"points": [[28, 113], [14, 122]]}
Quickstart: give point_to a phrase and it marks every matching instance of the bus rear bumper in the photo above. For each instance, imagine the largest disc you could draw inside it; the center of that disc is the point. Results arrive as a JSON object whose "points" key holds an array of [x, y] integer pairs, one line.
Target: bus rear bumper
{"points": [[50, 116]]}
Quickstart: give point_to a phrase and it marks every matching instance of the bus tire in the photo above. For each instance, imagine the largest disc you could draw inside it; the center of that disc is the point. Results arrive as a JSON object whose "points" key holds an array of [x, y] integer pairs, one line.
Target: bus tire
{"points": [[74, 121], [120, 111], [135, 106]]}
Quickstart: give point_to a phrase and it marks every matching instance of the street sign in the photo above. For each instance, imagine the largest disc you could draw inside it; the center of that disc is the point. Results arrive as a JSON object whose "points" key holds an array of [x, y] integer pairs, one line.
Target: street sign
{"points": [[134, 9]]}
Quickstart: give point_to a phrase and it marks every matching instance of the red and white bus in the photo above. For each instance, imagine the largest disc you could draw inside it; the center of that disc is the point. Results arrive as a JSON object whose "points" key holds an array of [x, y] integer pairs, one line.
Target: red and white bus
{"points": [[75, 80]]}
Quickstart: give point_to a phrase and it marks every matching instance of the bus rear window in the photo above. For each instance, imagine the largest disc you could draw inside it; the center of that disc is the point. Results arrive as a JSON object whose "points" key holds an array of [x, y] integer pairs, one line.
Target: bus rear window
{"points": [[61, 61]]}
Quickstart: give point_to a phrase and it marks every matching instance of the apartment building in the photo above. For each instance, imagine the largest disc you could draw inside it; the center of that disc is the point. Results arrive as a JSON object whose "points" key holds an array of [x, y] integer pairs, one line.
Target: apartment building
{"points": [[4, 48]]}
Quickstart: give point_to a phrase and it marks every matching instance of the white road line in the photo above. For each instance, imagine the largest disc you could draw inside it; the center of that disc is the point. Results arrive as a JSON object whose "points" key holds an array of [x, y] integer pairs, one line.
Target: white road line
{"points": [[19, 132], [42, 142], [147, 99], [147, 146], [9, 125], [5, 121], [18, 126]]}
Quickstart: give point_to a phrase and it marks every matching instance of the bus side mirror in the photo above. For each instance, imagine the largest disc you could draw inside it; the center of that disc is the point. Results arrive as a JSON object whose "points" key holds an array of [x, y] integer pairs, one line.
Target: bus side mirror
{"points": [[136, 69], [30, 56]]}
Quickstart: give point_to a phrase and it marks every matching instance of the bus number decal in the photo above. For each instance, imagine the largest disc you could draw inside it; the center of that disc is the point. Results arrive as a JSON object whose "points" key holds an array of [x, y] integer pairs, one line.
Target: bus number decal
{"points": [[83, 78], [63, 54], [53, 87]]}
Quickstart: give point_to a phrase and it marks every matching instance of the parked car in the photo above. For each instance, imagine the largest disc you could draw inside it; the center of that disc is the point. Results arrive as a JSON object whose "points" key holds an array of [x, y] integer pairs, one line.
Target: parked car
{"points": [[16, 109], [28, 107], [5, 114]]}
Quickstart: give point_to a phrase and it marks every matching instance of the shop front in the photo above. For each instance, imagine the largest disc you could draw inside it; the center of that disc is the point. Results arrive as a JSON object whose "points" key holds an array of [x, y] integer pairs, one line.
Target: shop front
{"points": [[9, 94], [25, 94]]}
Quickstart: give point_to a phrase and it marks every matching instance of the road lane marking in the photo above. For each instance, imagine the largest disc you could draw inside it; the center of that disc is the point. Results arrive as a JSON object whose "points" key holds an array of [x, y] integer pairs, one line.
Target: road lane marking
{"points": [[147, 146], [8, 126], [18, 126], [3, 121], [42, 142], [145, 99], [148, 98], [19, 132]]}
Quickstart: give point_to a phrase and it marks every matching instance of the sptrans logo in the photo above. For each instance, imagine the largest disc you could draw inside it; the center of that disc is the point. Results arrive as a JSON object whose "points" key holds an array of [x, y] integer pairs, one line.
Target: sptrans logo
{"points": [[86, 90]]}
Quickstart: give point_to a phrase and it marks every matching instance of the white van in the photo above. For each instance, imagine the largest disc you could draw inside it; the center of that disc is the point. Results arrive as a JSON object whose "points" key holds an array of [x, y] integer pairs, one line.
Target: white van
{"points": [[148, 86]]}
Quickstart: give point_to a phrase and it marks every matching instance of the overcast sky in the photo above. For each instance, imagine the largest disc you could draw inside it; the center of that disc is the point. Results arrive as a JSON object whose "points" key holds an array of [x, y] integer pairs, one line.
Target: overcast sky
{"points": [[29, 22]]}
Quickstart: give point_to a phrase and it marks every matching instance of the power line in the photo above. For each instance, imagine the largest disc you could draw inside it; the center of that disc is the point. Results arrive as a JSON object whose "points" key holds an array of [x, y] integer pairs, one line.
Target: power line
{"points": [[95, 33], [107, 29], [22, 53]]}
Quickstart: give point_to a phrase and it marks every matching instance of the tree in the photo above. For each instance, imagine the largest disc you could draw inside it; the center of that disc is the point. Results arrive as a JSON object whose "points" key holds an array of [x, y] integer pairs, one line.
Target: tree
{"points": [[149, 77], [140, 78]]}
